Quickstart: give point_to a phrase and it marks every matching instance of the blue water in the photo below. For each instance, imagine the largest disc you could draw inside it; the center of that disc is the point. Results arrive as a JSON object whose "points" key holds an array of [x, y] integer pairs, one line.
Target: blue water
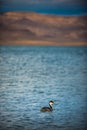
{"points": [[32, 76]]}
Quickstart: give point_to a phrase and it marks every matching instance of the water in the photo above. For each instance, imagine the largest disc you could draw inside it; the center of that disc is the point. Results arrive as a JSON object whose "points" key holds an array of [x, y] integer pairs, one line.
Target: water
{"points": [[32, 76]]}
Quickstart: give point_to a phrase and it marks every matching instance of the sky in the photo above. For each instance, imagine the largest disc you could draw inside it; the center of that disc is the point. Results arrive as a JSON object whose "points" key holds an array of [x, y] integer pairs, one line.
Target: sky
{"points": [[57, 7]]}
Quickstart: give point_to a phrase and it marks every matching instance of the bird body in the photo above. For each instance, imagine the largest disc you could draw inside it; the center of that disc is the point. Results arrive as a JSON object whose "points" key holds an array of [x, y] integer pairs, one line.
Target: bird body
{"points": [[49, 109]]}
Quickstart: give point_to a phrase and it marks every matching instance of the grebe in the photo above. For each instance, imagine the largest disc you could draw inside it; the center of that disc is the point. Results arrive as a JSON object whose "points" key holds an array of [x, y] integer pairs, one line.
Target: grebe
{"points": [[49, 109]]}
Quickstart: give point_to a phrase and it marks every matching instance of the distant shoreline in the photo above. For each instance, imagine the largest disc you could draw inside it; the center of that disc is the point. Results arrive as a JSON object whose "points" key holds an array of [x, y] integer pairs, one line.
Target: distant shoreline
{"points": [[31, 28], [41, 43]]}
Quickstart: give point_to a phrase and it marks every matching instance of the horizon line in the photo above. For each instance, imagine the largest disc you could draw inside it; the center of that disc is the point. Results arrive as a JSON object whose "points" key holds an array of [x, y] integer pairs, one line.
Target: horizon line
{"points": [[82, 14]]}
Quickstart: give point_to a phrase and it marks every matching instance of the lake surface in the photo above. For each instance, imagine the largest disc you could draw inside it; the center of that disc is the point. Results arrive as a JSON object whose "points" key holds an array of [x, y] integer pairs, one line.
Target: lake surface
{"points": [[32, 76]]}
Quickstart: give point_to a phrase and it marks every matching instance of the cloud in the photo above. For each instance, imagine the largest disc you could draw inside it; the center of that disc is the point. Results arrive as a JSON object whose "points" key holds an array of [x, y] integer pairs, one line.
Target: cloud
{"points": [[51, 3], [44, 2], [44, 6]]}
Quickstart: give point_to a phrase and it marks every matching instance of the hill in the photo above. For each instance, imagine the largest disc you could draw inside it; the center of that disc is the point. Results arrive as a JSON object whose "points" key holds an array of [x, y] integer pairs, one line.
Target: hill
{"points": [[29, 28]]}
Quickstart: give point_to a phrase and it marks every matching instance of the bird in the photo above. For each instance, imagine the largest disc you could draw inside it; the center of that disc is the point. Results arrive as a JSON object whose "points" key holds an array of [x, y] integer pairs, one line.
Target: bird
{"points": [[49, 109]]}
